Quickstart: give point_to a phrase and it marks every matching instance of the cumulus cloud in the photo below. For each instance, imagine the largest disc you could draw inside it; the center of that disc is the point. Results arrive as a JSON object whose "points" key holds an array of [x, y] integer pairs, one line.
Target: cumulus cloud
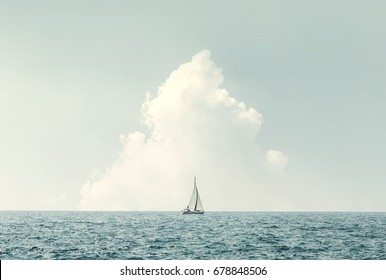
{"points": [[276, 159], [192, 126]]}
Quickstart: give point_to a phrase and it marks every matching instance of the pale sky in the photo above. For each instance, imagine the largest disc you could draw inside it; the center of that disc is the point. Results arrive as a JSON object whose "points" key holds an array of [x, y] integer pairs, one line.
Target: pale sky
{"points": [[273, 105]]}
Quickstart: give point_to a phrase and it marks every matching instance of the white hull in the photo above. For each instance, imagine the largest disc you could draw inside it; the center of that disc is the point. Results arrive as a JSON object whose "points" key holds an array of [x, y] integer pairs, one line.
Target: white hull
{"points": [[192, 212]]}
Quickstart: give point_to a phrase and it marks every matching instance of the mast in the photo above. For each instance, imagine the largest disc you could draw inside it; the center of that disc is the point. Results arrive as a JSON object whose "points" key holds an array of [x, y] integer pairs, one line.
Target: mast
{"points": [[196, 191]]}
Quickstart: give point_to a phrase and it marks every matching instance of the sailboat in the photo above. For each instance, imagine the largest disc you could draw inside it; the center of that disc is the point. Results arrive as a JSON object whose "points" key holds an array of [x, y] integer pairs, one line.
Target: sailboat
{"points": [[195, 205]]}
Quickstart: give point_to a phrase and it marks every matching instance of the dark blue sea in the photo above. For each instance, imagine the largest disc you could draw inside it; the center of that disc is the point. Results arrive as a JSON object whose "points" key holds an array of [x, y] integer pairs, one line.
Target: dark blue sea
{"points": [[170, 235]]}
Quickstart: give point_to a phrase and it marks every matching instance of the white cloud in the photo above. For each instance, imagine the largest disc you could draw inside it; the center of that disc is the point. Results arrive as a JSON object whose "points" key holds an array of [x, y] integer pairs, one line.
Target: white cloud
{"points": [[277, 159], [193, 127]]}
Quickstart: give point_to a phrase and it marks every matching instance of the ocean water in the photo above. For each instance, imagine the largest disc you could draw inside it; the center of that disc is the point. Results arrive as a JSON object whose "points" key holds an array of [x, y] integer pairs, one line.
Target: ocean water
{"points": [[170, 235]]}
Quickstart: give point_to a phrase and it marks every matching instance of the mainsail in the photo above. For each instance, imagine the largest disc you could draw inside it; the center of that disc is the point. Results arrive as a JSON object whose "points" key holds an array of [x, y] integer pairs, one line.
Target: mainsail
{"points": [[195, 205]]}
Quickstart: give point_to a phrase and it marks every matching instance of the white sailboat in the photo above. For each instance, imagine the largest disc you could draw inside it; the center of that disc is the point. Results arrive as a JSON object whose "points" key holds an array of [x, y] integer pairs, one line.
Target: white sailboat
{"points": [[195, 205]]}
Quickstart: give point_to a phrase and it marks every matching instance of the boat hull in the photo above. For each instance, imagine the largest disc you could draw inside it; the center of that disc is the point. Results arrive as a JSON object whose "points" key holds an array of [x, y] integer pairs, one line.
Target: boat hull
{"points": [[192, 212]]}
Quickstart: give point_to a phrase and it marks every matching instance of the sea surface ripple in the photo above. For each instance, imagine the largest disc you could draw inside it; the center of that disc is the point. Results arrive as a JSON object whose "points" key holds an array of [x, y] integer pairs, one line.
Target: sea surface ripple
{"points": [[170, 235]]}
